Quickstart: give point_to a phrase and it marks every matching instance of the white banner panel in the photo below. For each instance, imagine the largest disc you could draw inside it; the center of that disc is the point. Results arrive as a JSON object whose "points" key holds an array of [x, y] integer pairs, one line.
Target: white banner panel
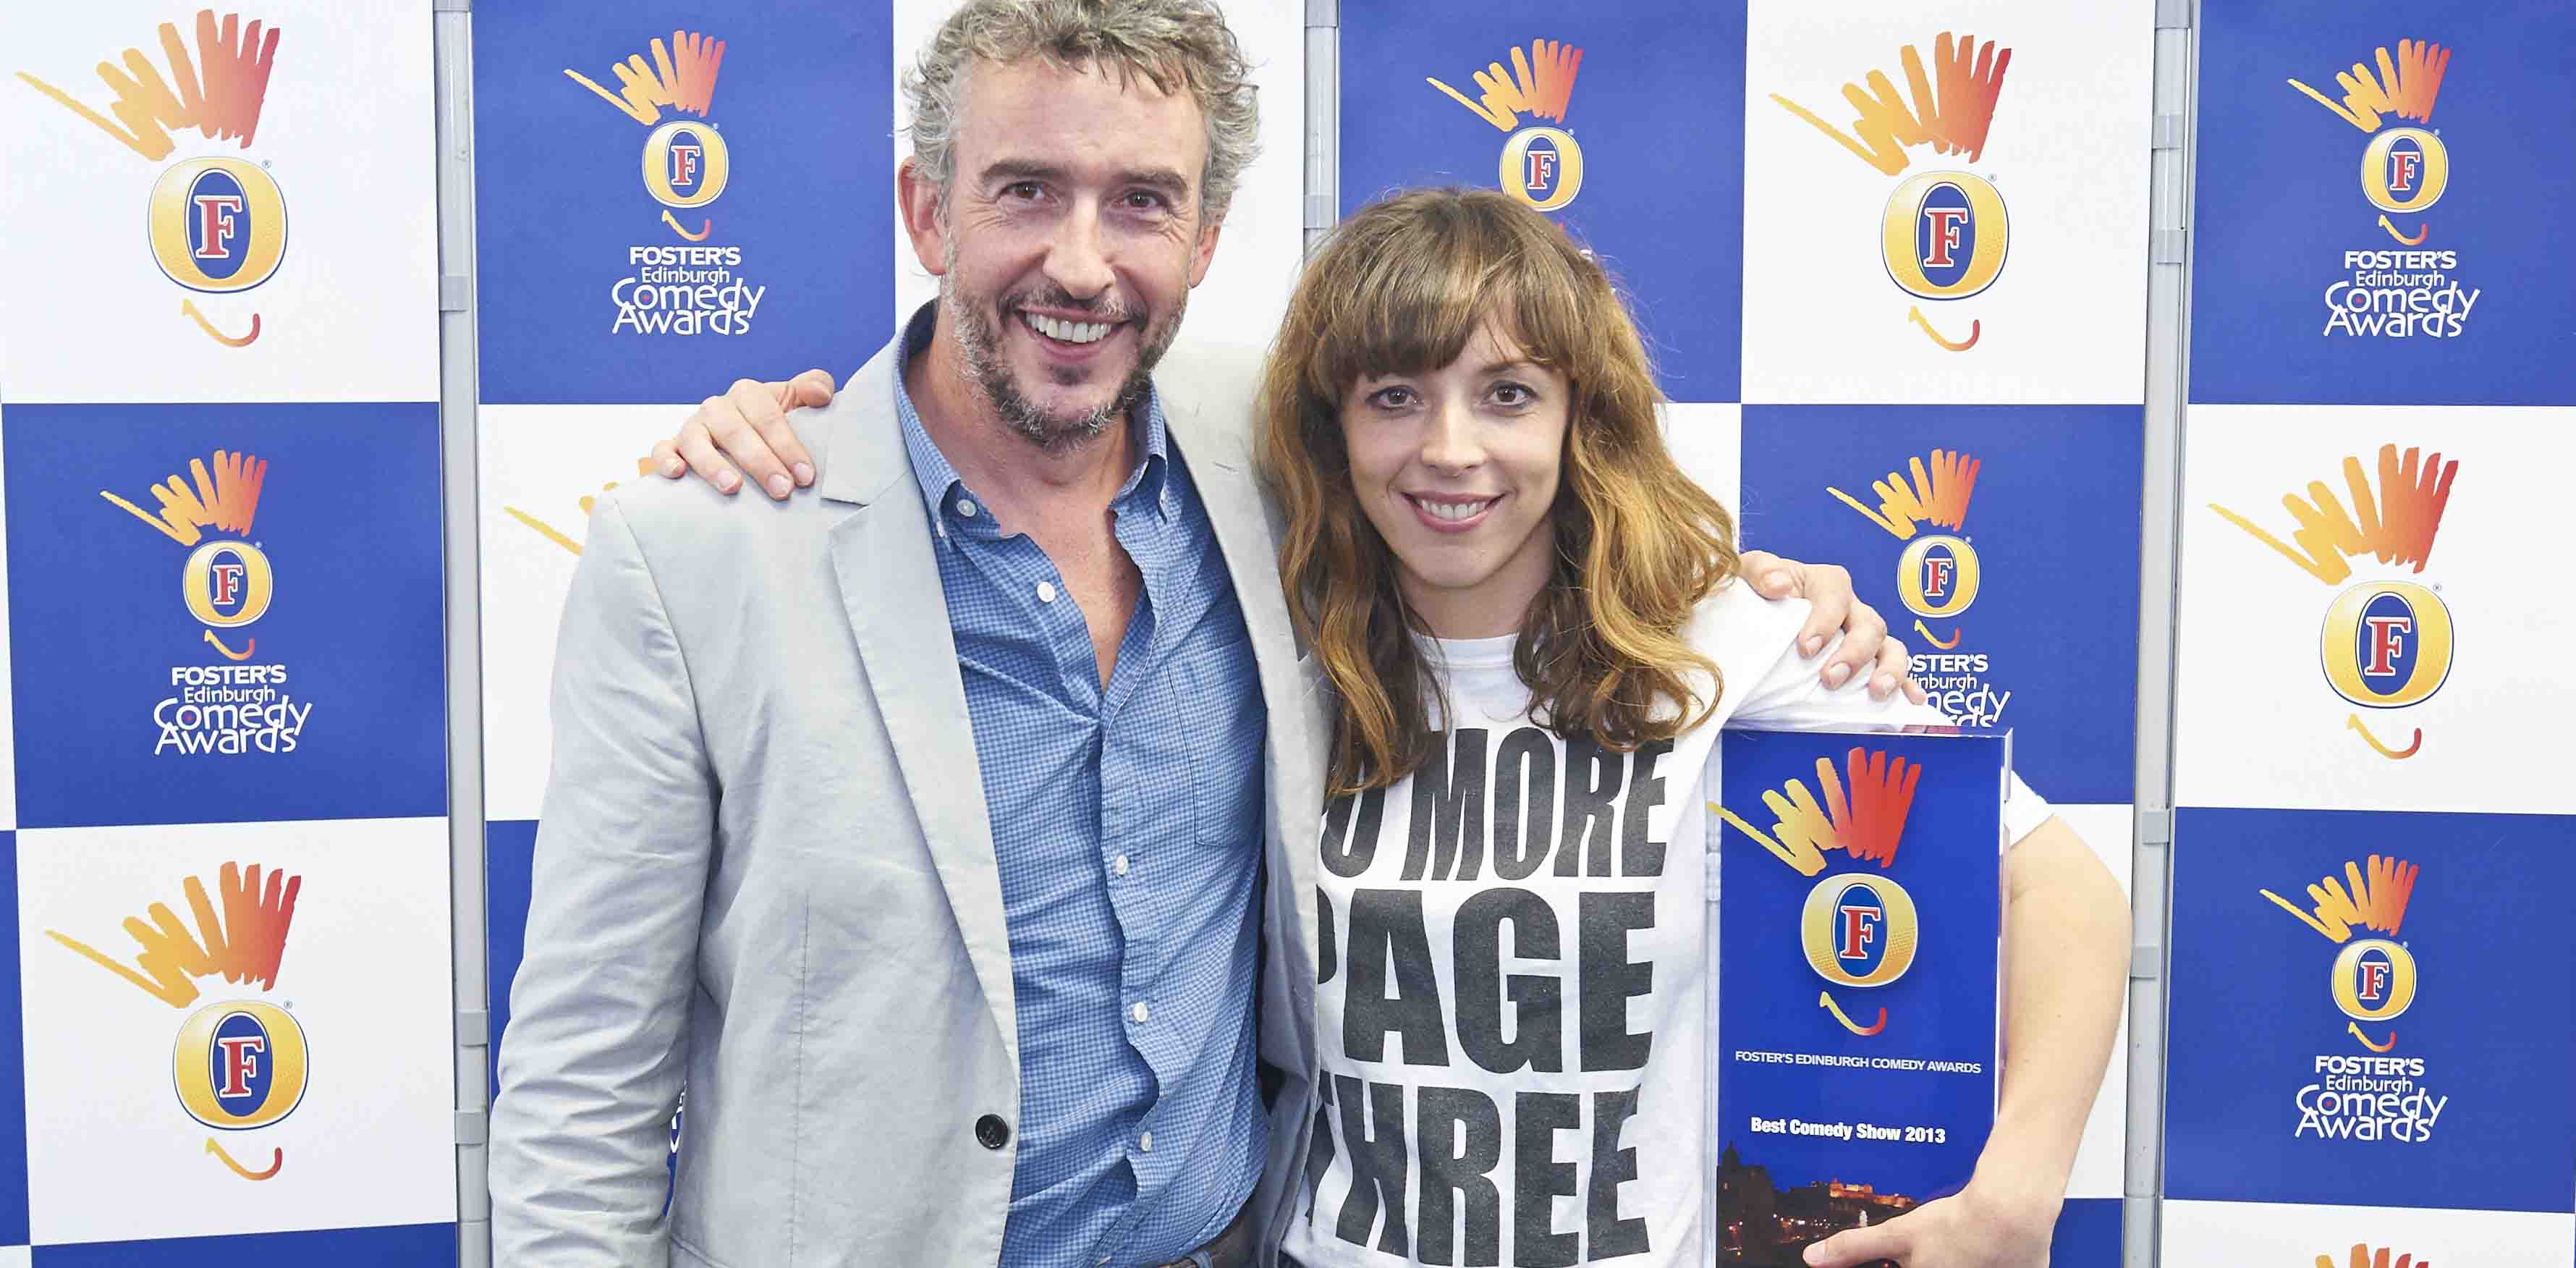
{"points": [[267, 234], [1707, 441], [263, 1051], [1995, 183], [2356, 624], [1247, 285], [2275, 1235], [540, 466]]}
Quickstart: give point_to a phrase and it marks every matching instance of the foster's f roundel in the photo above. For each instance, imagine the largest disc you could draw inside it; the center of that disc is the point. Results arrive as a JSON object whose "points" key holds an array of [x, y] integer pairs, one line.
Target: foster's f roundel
{"points": [[217, 225], [2387, 644], [685, 164], [1937, 575], [2374, 979], [240, 1065], [1944, 235], [1542, 167], [1859, 929], [2405, 169]]}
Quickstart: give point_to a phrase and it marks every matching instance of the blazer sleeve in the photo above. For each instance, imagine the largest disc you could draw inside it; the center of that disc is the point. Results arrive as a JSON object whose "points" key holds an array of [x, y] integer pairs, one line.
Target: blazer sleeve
{"points": [[592, 1065]]}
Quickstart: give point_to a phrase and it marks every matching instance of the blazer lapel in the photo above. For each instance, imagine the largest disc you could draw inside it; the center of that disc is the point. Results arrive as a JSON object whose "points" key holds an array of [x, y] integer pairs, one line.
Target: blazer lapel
{"points": [[1235, 510], [883, 556]]}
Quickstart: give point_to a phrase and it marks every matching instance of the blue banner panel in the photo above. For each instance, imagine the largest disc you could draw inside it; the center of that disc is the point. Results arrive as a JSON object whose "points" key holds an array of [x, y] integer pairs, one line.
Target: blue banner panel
{"points": [[1626, 121], [405, 1244], [2379, 191], [753, 239], [225, 613], [2354, 1019], [1999, 541], [1855, 1045], [2088, 1233], [509, 861]]}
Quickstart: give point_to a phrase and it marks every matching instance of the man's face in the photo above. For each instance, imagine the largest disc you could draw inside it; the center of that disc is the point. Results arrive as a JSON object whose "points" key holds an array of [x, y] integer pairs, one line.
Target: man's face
{"points": [[1069, 241]]}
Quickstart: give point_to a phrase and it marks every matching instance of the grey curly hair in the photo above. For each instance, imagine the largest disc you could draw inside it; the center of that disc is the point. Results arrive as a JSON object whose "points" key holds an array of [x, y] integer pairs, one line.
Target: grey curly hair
{"points": [[1172, 44]]}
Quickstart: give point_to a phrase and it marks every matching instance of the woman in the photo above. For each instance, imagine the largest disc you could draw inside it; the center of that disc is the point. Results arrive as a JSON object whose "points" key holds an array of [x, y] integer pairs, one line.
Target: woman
{"points": [[1496, 560]]}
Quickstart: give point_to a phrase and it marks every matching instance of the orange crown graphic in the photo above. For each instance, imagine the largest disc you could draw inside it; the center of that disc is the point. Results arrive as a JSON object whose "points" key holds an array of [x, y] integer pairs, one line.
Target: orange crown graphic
{"points": [[1954, 119], [224, 104], [2405, 87], [2398, 528], [244, 945], [2363, 1258], [1869, 824], [1939, 494], [227, 498], [686, 83], [2376, 901], [1539, 84]]}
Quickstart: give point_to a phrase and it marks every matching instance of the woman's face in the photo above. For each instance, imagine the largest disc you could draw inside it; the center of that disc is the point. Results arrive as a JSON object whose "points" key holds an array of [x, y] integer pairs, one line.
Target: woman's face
{"points": [[1457, 468]]}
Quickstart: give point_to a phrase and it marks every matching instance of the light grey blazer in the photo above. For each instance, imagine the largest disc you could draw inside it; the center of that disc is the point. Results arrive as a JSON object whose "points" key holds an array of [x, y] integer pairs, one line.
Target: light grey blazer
{"points": [[765, 872]]}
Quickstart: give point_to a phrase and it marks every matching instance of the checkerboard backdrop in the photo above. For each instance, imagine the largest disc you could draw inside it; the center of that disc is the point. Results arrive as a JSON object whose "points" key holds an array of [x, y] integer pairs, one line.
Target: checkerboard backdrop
{"points": [[1893, 261]]}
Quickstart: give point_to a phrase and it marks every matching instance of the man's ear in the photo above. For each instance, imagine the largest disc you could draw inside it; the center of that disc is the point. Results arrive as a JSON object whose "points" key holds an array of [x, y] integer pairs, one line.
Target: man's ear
{"points": [[917, 199], [1204, 250]]}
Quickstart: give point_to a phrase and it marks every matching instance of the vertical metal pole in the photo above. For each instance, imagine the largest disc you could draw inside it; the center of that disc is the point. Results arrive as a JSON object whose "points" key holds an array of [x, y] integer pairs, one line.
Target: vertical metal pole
{"points": [[453, 34], [2151, 870], [1323, 118]]}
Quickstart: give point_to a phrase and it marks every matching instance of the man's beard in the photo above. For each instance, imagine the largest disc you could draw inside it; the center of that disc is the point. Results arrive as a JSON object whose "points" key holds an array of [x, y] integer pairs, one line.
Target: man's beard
{"points": [[979, 352]]}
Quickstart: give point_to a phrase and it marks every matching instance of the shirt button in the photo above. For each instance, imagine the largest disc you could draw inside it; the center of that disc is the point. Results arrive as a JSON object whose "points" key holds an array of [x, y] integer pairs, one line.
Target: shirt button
{"points": [[1046, 592], [966, 507], [1140, 1012], [1118, 866], [991, 1132], [1146, 1142]]}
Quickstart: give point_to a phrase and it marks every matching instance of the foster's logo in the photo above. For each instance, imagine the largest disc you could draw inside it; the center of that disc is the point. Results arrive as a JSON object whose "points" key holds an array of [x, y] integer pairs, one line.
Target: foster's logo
{"points": [[1540, 165], [1859, 930], [216, 224], [238, 1065]]}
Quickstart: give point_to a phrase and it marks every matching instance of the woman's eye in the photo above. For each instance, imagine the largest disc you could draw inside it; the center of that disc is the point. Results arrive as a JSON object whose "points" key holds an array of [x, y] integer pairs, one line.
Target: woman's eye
{"points": [[1391, 397], [1513, 394]]}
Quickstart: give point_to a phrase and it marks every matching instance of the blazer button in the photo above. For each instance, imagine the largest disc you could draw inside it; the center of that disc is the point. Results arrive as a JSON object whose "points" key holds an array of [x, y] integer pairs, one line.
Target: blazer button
{"points": [[991, 1132]]}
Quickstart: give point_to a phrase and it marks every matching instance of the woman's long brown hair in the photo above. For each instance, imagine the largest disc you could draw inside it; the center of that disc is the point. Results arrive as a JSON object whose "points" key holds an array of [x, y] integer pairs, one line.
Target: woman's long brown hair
{"points": [[1399, 289]]}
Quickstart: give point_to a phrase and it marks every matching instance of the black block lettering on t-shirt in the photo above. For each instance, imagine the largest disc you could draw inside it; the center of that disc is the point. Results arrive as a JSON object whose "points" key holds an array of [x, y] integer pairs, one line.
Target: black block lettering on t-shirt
{"points": [[1327, 951], [1537, 1178], [1377, 1163], [1538, 1000], [1609, 979], [1606, 1236], [1458, 1173], [1387, 929], [1348, 852], [1592, 776], [1319, 1146], [1637, 855], [1449, 811], [1526, 765]]}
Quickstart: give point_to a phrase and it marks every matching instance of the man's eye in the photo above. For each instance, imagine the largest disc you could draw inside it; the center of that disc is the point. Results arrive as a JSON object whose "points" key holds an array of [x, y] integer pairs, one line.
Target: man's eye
{"points": [[1145, 200], [1023, 190]]}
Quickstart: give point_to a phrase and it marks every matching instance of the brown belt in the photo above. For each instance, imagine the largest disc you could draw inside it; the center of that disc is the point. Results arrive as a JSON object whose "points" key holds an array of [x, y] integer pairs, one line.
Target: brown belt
{"points": [[1229, 1249]]}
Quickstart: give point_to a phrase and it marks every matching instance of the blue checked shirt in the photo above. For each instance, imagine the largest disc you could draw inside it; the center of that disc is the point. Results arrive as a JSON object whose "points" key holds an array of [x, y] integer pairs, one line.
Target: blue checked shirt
{"points": [[1127, 824]]}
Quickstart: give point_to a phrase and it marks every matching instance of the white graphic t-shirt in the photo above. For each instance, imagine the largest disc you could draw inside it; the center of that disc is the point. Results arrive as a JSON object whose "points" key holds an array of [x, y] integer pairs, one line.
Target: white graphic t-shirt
{"points": [[1515, 964]]}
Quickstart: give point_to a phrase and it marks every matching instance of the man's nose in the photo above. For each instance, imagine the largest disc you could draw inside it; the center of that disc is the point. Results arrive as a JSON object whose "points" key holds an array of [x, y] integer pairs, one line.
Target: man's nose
{"points": [[1078, 258]]}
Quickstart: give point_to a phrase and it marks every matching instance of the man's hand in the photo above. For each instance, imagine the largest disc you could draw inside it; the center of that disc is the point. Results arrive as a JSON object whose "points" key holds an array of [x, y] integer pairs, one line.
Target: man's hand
{"points": [[748, 425], [1865, 648], [1974, 1228]]}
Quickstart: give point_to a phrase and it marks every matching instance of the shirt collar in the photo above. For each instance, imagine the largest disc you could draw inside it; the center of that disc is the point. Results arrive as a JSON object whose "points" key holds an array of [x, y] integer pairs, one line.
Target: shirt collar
{"points": [[938, 478]]}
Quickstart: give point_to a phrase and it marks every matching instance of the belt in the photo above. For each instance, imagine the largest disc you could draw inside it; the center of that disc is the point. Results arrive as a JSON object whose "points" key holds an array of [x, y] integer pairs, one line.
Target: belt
{"points": [[1229, 1249]]}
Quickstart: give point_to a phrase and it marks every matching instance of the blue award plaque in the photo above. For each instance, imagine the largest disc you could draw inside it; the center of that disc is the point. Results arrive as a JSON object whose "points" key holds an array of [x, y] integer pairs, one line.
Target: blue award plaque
{"points": [[1858, 942]]}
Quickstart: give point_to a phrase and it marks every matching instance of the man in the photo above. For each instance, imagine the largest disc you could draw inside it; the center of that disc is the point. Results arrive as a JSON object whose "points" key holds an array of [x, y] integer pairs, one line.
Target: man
{"points": [[952, 928]]}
